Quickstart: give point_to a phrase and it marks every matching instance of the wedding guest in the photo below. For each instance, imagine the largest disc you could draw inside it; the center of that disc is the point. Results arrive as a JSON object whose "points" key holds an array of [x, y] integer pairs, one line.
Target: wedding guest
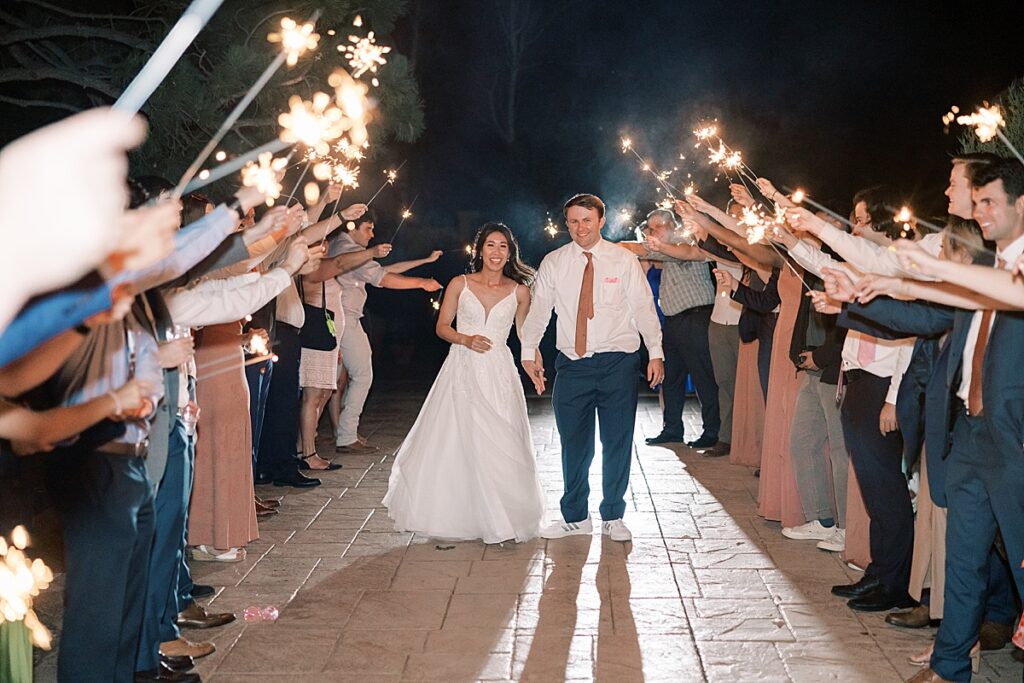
{"points": [[355, 346], [686, 296]]}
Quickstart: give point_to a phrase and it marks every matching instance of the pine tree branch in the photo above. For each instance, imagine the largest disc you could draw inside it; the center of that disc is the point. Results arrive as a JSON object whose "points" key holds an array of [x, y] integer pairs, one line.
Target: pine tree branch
{"points": [[48, 73], [44, 32], [39, 103], [89, 15]]}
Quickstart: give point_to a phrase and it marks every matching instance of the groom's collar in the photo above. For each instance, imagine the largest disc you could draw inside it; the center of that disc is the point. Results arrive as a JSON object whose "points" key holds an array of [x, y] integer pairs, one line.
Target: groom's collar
{"points": [[577, 250]]}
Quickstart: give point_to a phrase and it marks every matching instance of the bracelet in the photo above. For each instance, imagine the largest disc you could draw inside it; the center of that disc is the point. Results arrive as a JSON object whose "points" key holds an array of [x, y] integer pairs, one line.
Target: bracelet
{"points": [[235, 204], [118, 408]]}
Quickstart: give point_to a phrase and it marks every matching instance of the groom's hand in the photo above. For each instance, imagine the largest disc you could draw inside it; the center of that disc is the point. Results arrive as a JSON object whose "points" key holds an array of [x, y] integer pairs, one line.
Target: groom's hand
{"points": [[535, 369], [655, 372]]}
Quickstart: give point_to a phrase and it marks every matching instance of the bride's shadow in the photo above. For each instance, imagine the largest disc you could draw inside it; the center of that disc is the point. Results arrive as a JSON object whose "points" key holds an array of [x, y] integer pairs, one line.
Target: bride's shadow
{"points": [[584, 621]]}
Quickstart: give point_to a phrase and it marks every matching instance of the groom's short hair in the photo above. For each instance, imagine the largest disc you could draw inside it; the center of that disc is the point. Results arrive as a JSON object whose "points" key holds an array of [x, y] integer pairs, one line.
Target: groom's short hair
{"points": [[587, 201]]}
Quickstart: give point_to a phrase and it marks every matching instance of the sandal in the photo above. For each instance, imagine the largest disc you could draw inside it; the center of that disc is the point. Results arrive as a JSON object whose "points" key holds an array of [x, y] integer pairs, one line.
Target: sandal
{"points": [[304, 464], [203, 553]]}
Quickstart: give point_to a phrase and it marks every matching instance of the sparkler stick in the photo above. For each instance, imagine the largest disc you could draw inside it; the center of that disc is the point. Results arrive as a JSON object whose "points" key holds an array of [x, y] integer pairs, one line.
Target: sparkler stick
{"points": [[166, 56], [627, 146], [234, 368], [290, 53], [407, 213], [390, 178], [299, 182], [236, 164]]}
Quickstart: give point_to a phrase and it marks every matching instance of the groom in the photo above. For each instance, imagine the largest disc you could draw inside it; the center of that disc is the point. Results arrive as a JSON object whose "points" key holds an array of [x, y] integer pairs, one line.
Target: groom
{"points": [[604, 304]]}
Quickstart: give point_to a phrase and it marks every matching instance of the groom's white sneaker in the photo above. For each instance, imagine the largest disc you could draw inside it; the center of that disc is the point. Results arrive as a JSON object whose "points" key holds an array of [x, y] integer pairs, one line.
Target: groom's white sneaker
{"points": [[562, 529], [616, 530]]}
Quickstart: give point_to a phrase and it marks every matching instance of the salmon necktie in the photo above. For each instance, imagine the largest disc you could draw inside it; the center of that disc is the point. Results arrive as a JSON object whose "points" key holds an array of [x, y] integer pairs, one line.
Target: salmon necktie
{"points": [[974, 400], [585, 311]]}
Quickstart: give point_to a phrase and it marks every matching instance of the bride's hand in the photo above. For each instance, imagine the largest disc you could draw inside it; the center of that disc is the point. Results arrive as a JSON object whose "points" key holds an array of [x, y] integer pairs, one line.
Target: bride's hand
{"points": [[535, 371], [478, 343]]}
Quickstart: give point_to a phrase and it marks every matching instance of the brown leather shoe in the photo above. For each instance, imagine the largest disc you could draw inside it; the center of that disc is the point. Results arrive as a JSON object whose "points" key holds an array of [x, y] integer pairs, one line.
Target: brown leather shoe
{"points": [[356, 448], [919, 617], [994, 636], [263, 511], [196, 616], [186, 648], [273, 503], [927, 676]]}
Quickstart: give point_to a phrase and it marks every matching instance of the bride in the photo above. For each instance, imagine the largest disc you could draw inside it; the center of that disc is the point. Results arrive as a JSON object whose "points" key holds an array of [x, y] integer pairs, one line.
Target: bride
{"points": [[466, 470]]}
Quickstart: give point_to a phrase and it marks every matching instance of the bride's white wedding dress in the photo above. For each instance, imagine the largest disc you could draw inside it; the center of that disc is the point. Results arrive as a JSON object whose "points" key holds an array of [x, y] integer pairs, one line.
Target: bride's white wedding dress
{"points": [[467, 470]]}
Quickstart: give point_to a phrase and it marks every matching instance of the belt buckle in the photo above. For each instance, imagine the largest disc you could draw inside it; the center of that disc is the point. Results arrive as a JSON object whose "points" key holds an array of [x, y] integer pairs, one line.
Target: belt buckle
{"points": [[142, 448]]}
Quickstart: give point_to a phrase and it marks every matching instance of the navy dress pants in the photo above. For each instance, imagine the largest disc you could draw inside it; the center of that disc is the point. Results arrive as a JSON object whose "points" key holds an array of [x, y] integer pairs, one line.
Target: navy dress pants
{"points": [[878, 462], [983, 493], [258, 376], [276, 455], [687, 352], [603, 385], [107, 501]]}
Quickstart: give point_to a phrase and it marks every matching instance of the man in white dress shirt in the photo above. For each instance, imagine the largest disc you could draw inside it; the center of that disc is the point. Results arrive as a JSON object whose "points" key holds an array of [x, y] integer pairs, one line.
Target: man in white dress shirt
{"points": [[604, 305]]}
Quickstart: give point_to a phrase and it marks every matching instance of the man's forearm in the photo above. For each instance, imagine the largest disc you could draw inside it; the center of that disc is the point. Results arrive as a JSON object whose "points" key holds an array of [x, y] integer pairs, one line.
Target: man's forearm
{"points": [[342, 263]]}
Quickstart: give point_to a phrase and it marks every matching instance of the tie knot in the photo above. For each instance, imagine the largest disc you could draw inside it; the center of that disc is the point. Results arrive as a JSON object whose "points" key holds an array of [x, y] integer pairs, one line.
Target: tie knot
{"points": [[1000, 262], [589, 255]]}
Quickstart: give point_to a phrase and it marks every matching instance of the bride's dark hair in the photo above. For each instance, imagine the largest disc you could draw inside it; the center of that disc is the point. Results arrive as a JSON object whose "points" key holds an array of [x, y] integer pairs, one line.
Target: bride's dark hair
{"points": [[514, 268]]}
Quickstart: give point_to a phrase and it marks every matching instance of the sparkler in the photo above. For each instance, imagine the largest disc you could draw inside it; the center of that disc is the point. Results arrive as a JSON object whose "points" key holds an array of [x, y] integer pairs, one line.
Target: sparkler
{"points": [[166, 56], [258, 346], [236, 164], [406, 214], [295, 39], [364, 54], [313, 123], [390, 176], [289, 39], [987, 122], [550, 228], [264, 176], [20, 581], [662, 178]]}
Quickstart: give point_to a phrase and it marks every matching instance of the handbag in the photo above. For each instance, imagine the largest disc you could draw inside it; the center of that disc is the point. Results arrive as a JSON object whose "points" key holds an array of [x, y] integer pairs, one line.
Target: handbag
{"points": [[318, 332]]}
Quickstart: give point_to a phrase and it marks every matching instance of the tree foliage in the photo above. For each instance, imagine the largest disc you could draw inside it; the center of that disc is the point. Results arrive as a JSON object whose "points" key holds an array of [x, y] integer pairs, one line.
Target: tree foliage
{"points": [[56, 59]]}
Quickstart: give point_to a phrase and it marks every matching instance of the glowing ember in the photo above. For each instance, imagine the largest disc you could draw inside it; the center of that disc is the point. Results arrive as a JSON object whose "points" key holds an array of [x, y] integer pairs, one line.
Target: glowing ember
{"points": [[346, 177], [221, 155], [706, 132], [755, 224], [264, 176], [469, 249], [550, 228], [904, 215], [311, 192], [20, 581], [258, 345], [798, 196], [406, 214], [627, 144], [295, 39], [364, 54], [986, 121], [351, 98]]}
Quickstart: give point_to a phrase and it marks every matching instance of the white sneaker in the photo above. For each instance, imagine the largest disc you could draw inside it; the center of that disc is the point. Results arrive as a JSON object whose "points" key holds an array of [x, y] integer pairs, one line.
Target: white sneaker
{"points": [[561, 529], [836, 543], [812, 531], [616, 530]]}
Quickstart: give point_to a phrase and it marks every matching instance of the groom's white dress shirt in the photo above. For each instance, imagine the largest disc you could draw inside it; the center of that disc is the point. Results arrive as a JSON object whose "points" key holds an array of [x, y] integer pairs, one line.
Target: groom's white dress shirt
{"points": [[623, 303]]}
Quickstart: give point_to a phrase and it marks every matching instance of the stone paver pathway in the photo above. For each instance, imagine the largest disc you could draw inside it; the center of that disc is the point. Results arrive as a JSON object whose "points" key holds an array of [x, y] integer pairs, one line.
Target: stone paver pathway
{"points": [[706, 591]]}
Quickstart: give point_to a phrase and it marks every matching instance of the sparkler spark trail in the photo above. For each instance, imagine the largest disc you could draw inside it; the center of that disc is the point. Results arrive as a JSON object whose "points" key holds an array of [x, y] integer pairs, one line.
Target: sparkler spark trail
{"points": [[295, 39], [662, 178], [263, 176], [364, 54], [550, 228], [390, 176]]}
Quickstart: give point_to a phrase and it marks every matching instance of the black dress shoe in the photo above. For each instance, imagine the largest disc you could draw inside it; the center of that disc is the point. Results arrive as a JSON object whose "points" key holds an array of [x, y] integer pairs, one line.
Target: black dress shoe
{"points": [[296, 480], [881, 599], [177, 662], [262, 479], [855, 590], [664, 437], [162, 674], [705, 441], [303, 465], [201, 590]]}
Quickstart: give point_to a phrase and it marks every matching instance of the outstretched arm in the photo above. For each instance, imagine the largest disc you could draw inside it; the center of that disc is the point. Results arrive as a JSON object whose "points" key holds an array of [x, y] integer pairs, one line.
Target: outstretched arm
{"points": [[402, 266]]}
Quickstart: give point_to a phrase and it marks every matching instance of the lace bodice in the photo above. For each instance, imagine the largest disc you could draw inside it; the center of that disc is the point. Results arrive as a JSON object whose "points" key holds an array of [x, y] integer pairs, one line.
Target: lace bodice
{"points": [[472, 318]]}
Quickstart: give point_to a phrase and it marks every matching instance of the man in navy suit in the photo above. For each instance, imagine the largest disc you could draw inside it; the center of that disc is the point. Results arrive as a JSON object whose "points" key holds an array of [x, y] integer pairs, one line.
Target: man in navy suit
{"points": [[977, 392]]}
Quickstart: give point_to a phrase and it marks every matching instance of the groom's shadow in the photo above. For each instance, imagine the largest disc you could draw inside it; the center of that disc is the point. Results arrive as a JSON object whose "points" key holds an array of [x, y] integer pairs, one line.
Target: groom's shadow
{"points": [[584, 607]]}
